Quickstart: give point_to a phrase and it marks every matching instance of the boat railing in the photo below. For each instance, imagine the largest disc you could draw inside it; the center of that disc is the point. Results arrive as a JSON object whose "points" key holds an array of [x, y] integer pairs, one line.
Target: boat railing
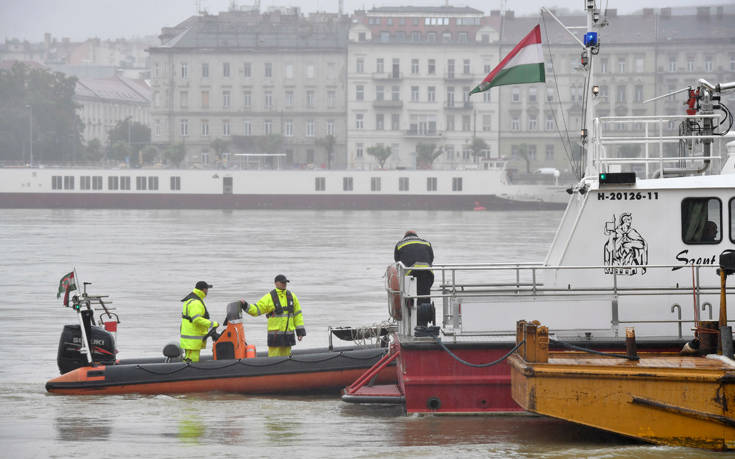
{"points": [[652, 133], [501, 284]]}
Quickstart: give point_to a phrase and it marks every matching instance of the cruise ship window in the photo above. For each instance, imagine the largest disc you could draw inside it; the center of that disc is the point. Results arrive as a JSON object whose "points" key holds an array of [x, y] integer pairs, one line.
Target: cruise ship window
{"points": [[85, 182], [732, 220], [152, 183], [175, 183], [701, 221], [320, 183], [347, 183], [402, 183], [112, 182], [430, 183], [68, 182], [456, 183], [140, 183], [56, 182], [97, 182], [124, 183], [374, 183]]}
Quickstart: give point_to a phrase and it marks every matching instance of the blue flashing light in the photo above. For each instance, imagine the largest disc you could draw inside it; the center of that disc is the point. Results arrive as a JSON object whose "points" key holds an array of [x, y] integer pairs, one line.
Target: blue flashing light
{"points": [[590, 39]]}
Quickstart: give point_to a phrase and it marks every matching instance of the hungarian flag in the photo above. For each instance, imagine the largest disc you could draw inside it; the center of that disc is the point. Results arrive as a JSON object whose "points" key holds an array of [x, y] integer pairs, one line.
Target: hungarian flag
{"points": [[524, 64], [66, 285]]}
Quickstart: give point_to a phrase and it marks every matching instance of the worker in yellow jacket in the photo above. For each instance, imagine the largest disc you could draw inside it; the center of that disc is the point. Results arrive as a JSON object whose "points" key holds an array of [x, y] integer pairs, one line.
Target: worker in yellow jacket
{"points": [[284, 317], [195, 322]]}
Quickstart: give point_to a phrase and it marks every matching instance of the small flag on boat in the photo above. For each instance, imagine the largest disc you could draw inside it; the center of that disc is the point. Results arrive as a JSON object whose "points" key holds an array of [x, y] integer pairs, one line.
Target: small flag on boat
{"points": [[66, 285], [524, 64]]}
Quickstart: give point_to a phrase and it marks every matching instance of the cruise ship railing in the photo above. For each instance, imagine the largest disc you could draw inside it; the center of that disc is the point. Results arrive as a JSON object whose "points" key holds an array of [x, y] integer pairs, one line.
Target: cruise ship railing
{"points": [[654, 134], [526, 280]]}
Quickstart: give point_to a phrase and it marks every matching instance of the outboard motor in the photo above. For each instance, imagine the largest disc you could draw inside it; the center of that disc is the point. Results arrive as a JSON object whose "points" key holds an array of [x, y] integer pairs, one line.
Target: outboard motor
{"points": [[70, 356], [231, 343]]}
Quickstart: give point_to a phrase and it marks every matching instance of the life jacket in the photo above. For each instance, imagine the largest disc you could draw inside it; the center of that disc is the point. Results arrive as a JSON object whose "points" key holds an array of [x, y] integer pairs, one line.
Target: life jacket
{"points": [[277, 303]]}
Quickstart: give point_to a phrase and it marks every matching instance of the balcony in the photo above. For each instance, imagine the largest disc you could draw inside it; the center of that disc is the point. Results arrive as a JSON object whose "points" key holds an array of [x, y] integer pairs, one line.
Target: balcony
{"points": [[390, 76], [423, 133], [387, 104], [458, 105], [459, 77]]}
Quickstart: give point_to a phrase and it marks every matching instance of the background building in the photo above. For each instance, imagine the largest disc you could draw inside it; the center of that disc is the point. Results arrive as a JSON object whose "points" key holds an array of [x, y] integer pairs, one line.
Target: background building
{"points": [[260, 83]]}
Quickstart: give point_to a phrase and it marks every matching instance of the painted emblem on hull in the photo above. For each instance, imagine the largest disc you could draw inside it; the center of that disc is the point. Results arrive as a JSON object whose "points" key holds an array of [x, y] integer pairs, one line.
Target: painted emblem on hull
{"points": [[625, 247]]}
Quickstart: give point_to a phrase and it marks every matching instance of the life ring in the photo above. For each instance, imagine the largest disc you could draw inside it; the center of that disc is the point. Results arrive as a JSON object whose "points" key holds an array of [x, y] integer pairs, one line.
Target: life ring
{"points": [[394, 293]]}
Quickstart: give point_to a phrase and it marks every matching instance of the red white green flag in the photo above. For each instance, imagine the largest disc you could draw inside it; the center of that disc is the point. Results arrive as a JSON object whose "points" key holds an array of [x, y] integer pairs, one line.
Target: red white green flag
{"points": [[524, 64], [66, 285]]}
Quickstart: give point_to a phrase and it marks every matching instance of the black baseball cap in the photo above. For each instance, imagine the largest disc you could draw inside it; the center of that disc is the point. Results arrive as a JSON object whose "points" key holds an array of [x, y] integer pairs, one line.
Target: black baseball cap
{"points": [[281, 278], [201, 285]]}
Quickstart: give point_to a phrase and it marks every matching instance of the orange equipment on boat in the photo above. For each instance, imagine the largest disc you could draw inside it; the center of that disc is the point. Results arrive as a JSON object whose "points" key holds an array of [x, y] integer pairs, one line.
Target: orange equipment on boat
{"points": [[394, 287], [231, 344]]}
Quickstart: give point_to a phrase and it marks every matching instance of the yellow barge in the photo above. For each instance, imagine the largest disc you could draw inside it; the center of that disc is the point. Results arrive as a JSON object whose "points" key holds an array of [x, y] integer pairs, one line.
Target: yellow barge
{"points": [[660, 398]]}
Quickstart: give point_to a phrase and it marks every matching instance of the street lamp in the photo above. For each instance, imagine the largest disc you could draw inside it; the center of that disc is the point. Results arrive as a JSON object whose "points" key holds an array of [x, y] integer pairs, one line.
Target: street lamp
{"points": [[30, 132]]}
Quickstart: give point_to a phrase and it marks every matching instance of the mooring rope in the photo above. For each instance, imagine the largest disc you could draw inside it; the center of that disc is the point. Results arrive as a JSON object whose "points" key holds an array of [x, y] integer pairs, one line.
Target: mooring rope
{"points": [[477, 365], [592, 351]]}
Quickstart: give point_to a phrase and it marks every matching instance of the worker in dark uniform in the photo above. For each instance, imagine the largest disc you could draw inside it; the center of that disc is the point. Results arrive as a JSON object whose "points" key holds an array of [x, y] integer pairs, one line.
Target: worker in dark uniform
{"points": [[415, 252]]}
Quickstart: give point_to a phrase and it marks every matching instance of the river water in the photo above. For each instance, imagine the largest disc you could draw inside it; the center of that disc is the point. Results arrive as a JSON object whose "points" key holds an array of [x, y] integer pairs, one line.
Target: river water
{"points": [[147, 260]]}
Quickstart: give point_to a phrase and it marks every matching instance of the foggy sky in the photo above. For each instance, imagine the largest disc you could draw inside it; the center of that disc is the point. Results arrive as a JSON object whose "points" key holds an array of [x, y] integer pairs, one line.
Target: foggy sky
{"points": [[81, 19]]}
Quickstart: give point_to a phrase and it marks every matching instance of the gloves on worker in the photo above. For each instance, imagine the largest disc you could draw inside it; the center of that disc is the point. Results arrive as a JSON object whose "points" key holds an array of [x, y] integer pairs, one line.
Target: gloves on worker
{"points": [[244, 305], [215, 324]]}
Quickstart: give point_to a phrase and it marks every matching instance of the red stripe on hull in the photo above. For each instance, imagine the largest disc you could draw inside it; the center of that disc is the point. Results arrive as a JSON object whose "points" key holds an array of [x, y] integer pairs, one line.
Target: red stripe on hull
{"points": [[231, 201]]}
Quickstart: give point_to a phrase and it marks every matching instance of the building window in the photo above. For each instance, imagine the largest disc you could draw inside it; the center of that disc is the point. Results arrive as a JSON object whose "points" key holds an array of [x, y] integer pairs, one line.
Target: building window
{"points": [[268, 127], [226, 128], [310, 71], [515, 123], [708, 64], [247, 70], [113, 183], [289, 98], [320, 183], [184, 71], [414, 93], [638, 94], [140, 183], [226, 69], [204, 157], [379, 65], [359, 150], [374, 183], [379, 122], [310, 98], [205, 128], [288, 128], [450, 96], [466, 123], [515, 95], [183, 99], [205, 70], [289, 71], [379, 93], [487, 123], [247, 128], [402, 183], [247, 99], [310, 128], [157, 128], [532, 95], [487, 96], [450, 123], [414, 66], [360, 65], [395, 121], [268, 70], [125, 183], [431, 67], [175, 183], [466, 66], [603, 65], [450, 68], [549, 152], [690, 64], [205, 99], [225, 99], [268, 100], [431, 94], [621, 65], [184, 128], [359, 120], [620, 95], [347, 183], [359, 92], [330, 128], [672, 64], [456, 183], [701, 220], [639, 65], [430, 183], [331, 99], [549, 125], [152, 183], [395, 93], [532, 123]]}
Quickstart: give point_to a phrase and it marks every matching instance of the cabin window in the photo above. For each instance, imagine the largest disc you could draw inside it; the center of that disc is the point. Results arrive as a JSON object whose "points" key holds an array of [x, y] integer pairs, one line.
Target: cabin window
{"points": [[456, 183], [56, 183], [140, 183], [320, 183], [175, 183], [374, 183], [701, 221], [152, 183], [430, 183], [402, 183], [68, 182], [113, 183], [347, 183], [124, 183], [732, 220], [85, 182], [97, 182]]}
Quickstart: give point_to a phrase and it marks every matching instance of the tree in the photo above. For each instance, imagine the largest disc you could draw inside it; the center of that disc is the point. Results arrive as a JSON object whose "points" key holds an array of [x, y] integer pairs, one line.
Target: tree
{"points": [[478, 146], [219, 146], [121, 151], [42, 102], [175, 154], [327, 142], [426, 153], [92, 151], [149, 154], [380, 152], [525, 156]]}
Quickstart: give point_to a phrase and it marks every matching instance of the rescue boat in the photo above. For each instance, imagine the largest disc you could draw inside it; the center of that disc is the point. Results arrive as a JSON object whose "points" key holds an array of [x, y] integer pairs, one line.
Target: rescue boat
{"points": [[88, 364]]}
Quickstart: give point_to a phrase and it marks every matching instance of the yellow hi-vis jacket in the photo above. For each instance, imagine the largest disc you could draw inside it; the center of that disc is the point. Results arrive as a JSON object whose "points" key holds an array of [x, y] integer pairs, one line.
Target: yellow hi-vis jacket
{"points": [[195, 321], [284, 316]]}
